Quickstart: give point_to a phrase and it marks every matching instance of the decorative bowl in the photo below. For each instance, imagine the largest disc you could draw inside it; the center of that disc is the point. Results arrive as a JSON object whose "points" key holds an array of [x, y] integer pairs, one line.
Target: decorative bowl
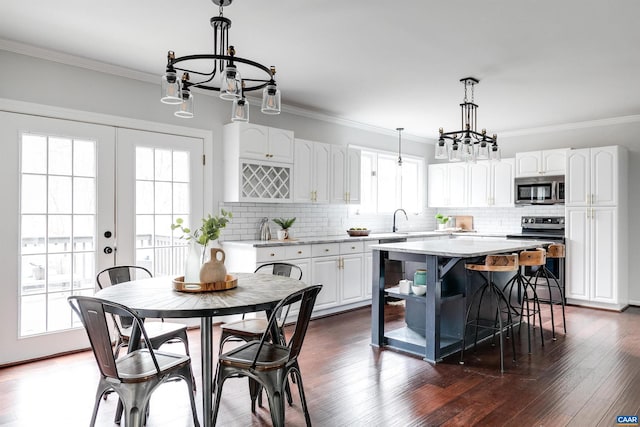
{"points": [[419, 289], [353, 233]]}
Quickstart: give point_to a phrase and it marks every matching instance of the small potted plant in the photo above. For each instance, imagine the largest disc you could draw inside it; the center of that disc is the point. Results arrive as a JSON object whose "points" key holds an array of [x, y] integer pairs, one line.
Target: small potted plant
{"points": [[198, 240], [284, 224], [442, 221]]}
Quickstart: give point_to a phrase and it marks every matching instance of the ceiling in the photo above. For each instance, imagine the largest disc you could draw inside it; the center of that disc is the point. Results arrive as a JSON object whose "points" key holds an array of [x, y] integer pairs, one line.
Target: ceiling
{"points": [[386, 64]]}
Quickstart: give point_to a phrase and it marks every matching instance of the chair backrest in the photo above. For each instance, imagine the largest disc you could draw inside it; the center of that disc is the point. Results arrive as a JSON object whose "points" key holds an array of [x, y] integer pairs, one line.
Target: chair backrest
{"points": [[281, 269], [307, 298], [92, 312], [121, 273]]}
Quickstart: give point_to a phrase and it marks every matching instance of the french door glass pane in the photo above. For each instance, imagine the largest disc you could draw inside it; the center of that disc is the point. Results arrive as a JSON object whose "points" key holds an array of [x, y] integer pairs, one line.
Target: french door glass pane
{"points": [[162, 195], [57, 234]]}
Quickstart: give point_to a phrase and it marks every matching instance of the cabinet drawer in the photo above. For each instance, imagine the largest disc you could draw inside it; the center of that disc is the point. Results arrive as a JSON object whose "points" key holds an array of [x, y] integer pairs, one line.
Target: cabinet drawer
{"points": [[298, 251], [325, 249], [276, 253], [351, 247]]}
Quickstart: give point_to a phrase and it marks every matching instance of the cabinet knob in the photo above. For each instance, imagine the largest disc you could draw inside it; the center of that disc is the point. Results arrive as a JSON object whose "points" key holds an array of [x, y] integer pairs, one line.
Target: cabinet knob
{"points": [[326, 250], [272, 254], [299, 252], [353, 247]]}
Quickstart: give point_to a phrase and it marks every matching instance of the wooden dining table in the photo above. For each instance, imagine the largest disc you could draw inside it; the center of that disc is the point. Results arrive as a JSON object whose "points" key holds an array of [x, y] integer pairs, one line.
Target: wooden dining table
{"points": [[156, 298]]}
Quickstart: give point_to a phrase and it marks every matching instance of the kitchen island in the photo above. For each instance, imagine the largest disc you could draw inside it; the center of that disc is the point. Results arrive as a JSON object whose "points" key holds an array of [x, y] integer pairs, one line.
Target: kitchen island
{"points": [[435, 321]]}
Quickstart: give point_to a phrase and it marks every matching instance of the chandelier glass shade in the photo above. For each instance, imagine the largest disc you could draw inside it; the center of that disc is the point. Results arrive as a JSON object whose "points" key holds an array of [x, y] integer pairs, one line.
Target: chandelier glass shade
{"points": [[221, 71], [467, 144]]}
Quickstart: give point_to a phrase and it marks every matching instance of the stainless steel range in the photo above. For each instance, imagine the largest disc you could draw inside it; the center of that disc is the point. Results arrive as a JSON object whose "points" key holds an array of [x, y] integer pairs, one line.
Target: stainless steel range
{"points": [[548, 228]]}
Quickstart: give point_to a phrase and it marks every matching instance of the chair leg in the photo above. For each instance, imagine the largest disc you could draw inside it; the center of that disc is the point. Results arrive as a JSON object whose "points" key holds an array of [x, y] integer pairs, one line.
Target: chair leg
{"points": [[298, 381]]}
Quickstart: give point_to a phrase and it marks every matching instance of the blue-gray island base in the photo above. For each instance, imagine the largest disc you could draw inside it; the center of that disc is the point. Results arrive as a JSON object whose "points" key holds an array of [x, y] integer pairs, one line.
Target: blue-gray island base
{"points": [[443, 306]]}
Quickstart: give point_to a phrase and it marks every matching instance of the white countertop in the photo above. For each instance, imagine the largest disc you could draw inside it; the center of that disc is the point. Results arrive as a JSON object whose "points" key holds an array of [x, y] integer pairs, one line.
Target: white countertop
{"points": [[461, 248]]}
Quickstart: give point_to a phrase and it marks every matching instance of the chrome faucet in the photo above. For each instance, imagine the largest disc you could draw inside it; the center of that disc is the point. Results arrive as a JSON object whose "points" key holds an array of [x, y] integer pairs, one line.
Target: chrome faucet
{"points": [[394, 218]]}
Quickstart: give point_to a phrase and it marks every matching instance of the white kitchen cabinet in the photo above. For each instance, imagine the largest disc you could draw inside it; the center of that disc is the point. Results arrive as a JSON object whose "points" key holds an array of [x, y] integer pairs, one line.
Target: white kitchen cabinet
{"points": [[258, 163], [263, 142], [490, 183], [592, 177], [325, 270], [338, 266], [593, 256], [545, 162], [596, 227], [345, 174], [447, 185], [311, 171]]}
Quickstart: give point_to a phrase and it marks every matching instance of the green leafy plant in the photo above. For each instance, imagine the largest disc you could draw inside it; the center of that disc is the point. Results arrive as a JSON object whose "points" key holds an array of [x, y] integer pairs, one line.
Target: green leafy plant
{"points": [[208, 231], [442, 219], [284, 223]]}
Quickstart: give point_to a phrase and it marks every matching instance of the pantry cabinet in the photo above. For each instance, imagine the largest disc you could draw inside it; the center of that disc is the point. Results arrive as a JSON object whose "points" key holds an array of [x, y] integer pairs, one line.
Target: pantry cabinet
{"points": [[545, 162], [597, 227]]}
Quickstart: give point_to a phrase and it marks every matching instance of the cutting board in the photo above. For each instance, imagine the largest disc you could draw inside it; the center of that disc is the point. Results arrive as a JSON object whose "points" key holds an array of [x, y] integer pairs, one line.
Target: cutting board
{"points": [[464, 222]]}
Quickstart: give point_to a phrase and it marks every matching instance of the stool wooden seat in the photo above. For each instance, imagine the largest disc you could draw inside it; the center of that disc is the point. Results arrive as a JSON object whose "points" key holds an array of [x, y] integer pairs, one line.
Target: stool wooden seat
{"points": [[492, 264], [527, 304], [556, 251]]}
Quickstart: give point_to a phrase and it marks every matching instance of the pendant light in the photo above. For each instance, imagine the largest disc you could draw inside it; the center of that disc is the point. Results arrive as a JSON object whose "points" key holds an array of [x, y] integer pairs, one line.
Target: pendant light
{"points": [[399, 145]]}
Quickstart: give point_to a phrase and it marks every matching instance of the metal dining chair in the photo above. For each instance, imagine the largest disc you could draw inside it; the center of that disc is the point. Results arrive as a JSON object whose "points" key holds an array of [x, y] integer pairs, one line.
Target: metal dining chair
{"points": [[135, 375], [159, 332], [252, 329], [246, 330], [267, 364]]}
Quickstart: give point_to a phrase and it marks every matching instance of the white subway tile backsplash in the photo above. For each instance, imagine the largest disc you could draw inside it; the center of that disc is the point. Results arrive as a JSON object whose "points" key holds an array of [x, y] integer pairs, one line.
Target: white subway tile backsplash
{"points": [[332, 220]]}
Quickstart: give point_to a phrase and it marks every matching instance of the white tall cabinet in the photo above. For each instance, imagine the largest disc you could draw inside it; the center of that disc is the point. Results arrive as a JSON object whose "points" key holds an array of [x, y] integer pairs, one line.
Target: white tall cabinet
{"points": [[345, 174], [597, 227]]}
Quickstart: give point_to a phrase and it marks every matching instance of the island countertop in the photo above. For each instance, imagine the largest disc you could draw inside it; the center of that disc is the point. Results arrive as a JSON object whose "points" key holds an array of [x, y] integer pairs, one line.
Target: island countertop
{"points": [[460, 248]]}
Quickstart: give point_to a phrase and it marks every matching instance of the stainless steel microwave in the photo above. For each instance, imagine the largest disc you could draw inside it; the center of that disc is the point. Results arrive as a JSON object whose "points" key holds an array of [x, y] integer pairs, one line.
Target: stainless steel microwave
{"points": [[539, 190]]}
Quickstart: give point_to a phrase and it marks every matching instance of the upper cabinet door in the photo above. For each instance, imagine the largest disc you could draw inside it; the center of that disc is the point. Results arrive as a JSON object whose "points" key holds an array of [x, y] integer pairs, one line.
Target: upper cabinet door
{"points": [[457, 184], [479, 184], [353, 175], [554, 162], [502, 191], [321, 171], [528, 164], [604, 176], [577, 183], [303, 171], [254, 141], [280, 148], [436, 185], [338, 174]]}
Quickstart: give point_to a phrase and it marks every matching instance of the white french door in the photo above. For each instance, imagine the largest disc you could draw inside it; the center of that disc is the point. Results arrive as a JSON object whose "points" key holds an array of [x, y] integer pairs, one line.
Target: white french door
{"points": [[69, 194]]}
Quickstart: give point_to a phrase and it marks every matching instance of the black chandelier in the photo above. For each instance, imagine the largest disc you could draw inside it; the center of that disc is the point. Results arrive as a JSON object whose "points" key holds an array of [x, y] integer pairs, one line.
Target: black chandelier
{"points": [[199, 71], [467, 144]]}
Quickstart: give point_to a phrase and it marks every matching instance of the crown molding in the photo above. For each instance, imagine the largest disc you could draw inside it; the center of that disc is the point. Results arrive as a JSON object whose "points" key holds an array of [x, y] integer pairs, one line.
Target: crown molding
{"points": [[612, 121]]}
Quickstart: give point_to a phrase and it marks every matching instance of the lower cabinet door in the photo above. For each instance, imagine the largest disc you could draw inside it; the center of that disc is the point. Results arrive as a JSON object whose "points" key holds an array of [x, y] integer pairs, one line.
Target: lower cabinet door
{"points": [[352, 289], [368, 274], [325, 271]]}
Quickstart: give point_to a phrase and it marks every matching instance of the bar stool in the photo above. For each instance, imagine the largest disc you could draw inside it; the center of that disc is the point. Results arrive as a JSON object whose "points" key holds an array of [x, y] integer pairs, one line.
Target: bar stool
{"points": [[554, 251], [526, 292], [492, 264]]}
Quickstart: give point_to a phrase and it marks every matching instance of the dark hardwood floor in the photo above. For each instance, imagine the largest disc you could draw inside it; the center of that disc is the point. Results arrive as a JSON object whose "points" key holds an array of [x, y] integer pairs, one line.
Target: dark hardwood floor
{"points": [[585, 378]]}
